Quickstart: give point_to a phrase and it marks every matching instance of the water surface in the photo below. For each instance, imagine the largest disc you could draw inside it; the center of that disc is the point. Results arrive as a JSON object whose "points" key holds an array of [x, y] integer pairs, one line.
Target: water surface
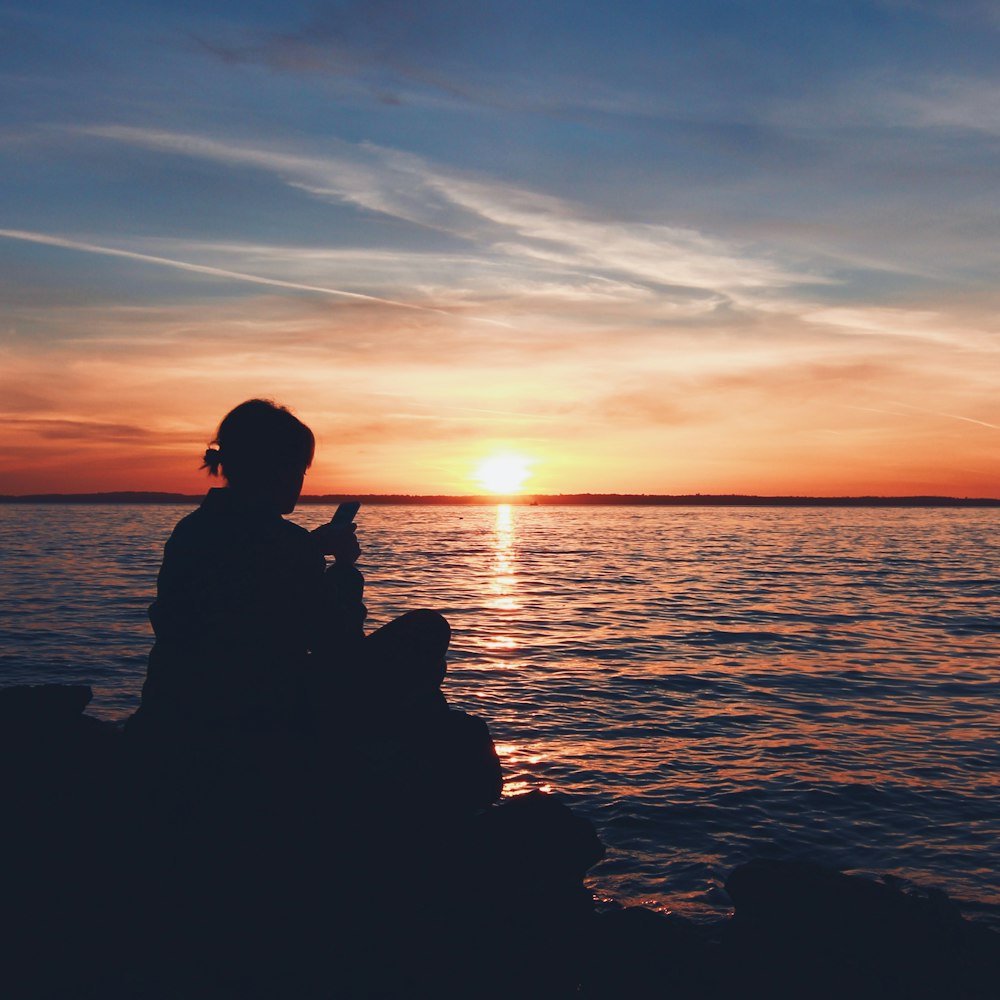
{"points": [[705, 684]]}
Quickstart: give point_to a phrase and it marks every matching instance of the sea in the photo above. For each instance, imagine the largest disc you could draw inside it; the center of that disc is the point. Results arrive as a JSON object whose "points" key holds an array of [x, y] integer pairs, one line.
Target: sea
{"points": [[707, 685]]}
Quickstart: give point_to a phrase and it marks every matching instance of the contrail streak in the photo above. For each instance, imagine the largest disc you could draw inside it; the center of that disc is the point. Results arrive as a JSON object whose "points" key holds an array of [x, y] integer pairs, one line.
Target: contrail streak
{"points": [[952, 416], [218, 272], [929, 413]]}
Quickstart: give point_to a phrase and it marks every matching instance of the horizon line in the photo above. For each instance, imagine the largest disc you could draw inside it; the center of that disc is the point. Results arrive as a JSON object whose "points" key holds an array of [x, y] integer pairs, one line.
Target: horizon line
{"points": [[529, 499]]}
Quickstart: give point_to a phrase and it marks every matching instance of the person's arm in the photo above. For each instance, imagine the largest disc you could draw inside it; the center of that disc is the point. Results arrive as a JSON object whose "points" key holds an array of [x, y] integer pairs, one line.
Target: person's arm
{"points": [[344, 585]]}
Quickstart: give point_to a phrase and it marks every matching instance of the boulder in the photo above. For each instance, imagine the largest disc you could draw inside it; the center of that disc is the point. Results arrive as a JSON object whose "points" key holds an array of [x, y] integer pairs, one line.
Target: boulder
{"points": [[806, 930]]}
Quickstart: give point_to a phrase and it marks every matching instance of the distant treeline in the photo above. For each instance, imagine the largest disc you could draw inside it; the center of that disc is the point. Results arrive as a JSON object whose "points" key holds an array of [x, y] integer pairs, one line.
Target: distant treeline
{"points": [[554, 499]]}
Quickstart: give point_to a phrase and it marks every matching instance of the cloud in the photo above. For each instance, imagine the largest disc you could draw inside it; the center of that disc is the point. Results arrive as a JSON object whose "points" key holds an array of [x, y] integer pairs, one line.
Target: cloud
{"points": [[396, 52], [927, 325], [450, 282], [357, 174], [497, 218], [982, 15], [79, 430], [701, 397], [951, 102], [656, 404], [658, 254], [18, 401]]}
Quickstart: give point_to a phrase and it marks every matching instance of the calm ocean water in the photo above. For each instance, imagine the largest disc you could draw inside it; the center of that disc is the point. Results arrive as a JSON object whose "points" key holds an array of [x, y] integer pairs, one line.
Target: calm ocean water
{"points": [[706, 684]]}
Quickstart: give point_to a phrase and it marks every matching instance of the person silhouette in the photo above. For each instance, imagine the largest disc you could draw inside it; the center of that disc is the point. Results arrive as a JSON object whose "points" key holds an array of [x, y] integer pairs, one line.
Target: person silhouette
{"points": [[249, 619]]}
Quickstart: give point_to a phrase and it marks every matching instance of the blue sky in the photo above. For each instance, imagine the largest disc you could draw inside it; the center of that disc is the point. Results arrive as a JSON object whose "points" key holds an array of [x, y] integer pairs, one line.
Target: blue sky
{"points": [[650, 247]]}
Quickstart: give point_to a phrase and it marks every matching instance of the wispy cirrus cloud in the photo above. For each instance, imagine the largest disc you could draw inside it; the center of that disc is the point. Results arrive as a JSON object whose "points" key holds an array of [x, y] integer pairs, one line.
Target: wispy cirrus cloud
{"points": [[953, 102], [496, 217], [659, 254], [63, 429], [927, 325]]}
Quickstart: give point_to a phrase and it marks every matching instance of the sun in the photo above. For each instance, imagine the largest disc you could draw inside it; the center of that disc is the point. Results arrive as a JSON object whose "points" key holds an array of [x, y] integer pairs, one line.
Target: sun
{"points": [[503, 474]]}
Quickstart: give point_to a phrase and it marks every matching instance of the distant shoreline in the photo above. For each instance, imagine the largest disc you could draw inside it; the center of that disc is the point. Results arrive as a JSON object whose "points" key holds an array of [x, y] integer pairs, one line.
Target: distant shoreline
{"points": [[552, 499]]}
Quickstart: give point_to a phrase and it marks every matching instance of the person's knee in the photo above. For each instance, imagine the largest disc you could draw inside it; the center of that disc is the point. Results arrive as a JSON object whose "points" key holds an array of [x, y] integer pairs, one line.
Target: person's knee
{"points": [[428, 634], [431, 626]]}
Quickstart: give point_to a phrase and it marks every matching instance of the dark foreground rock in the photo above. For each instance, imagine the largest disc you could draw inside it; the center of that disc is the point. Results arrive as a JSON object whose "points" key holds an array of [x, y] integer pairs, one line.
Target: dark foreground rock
{"points": [[116, 886], [842, 936]]}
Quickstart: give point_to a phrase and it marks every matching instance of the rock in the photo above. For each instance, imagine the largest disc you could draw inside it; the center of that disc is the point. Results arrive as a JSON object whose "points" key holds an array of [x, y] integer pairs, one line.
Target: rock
{"points": [[49, 749], [442, 763], [527, 858], [537, 839], [638, 952], [42, 705], [60, 792], [803, 929]]}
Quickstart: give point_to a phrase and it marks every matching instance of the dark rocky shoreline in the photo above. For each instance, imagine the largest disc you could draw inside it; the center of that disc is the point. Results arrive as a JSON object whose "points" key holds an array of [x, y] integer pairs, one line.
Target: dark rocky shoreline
{"points": [[104, 899]]}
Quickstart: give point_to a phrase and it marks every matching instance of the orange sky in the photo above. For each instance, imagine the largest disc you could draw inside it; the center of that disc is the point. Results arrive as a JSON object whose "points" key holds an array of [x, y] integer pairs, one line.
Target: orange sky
{"points": [[133, 405], [768, 272]]}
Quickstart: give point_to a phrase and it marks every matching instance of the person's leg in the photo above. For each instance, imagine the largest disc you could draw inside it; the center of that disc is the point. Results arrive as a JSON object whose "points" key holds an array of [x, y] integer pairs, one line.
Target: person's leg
{"points": [[405, 659]]}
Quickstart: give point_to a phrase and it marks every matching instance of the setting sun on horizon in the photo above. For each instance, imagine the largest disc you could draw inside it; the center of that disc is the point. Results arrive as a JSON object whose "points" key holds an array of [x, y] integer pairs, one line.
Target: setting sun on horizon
{"points": [[503, 474]]}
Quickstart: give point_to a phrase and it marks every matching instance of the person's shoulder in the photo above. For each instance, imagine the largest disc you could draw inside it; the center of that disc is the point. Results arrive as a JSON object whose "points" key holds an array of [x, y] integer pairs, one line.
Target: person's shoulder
{"points": [[192, 529], [189, 524]]}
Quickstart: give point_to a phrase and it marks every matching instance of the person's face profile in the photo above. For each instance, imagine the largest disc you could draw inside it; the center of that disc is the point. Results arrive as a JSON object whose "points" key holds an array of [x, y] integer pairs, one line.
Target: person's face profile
{"points": [[289, 487]]}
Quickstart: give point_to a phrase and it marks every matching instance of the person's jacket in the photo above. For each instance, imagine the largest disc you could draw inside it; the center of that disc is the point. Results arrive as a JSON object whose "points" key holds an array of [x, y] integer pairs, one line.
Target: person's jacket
{"points": [[245, 609]]}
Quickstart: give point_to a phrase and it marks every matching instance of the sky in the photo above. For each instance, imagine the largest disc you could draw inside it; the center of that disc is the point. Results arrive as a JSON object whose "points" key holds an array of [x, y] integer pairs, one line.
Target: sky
{"points": [[623, 246]]}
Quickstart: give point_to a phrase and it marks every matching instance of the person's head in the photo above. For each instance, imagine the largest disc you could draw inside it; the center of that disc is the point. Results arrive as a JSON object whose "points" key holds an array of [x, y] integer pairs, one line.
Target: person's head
{"points": [[263, 451]]}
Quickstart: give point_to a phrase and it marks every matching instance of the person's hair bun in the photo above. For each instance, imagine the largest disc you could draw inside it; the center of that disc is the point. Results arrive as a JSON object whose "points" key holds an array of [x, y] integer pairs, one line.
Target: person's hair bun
{"points": [[212, 461]]}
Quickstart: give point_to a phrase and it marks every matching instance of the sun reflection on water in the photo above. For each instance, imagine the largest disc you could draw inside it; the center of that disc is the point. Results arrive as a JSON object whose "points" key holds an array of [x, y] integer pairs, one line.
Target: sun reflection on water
{"points": [[502, 595], [503, 583], [518, 764]]}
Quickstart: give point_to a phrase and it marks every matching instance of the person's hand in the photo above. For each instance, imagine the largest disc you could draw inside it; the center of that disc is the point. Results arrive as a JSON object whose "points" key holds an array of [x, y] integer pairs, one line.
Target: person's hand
{"points": [[339, 541]]}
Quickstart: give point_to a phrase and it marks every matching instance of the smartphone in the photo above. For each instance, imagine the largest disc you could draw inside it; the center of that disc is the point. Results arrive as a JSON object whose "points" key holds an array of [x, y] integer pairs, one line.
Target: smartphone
{"points": [[346, 512]]}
